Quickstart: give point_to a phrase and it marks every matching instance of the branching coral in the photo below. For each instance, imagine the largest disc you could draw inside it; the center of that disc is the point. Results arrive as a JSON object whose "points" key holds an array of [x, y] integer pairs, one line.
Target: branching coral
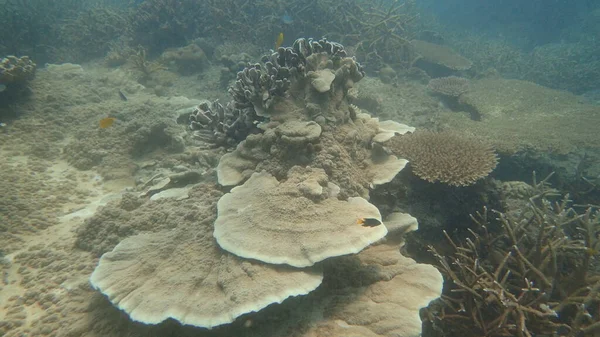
{"points": [[446, 156], [533, 277]]}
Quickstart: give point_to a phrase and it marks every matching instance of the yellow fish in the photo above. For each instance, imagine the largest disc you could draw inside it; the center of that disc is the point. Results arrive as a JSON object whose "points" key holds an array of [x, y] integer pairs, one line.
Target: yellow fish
{"points": [[106, 122], [279, 41]]}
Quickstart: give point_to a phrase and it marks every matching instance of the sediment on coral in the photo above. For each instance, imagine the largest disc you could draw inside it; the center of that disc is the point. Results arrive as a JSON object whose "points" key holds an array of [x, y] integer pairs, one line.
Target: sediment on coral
{"points": [[535, 275], [446, 156]]}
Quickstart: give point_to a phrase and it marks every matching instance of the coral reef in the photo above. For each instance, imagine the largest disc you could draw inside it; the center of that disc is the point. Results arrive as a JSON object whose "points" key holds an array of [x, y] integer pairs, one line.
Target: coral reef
{"points": [[16, 70], [306, 229], [259, 85], [313, 163], [447, 157], [500, 109], [451, 86], [534, 276], [160, 24], [91, 32]]}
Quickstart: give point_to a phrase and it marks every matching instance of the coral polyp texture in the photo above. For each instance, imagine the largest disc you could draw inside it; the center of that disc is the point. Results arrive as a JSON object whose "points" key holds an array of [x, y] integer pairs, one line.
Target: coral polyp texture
{"points": [[16, 69], [446, 156], [452, 86]]}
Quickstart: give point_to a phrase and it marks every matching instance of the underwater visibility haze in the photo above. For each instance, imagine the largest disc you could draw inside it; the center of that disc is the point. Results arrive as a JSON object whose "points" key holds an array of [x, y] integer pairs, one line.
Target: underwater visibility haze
{"points": [[299, 168]]}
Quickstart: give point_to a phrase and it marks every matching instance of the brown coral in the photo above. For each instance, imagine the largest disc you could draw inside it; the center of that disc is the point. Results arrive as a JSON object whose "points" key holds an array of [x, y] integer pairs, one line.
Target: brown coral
{"points": [[452, 86], [446, 156]]}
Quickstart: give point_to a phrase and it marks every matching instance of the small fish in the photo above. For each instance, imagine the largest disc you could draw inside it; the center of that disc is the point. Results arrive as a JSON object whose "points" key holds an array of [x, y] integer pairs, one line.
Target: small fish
{"points": [[2, 87], [279, 41], [591, 251], [287, 19], [122, 95], [106, 122], [368, 222]]}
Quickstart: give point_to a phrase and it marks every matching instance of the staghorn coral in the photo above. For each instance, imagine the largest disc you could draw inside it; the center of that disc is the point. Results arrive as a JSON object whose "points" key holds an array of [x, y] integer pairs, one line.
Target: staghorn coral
{"points": [[533, 277], [446, 156], [451, 86]]}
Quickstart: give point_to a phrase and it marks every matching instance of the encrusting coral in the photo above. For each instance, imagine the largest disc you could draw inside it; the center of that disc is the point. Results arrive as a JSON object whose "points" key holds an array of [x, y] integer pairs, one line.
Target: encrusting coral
{"points": [[534, 276], [446, 156]]}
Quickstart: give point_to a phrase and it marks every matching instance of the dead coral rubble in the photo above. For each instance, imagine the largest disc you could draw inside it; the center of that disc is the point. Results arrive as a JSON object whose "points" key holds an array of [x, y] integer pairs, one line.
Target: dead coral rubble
{"points": [[534, 277]]}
